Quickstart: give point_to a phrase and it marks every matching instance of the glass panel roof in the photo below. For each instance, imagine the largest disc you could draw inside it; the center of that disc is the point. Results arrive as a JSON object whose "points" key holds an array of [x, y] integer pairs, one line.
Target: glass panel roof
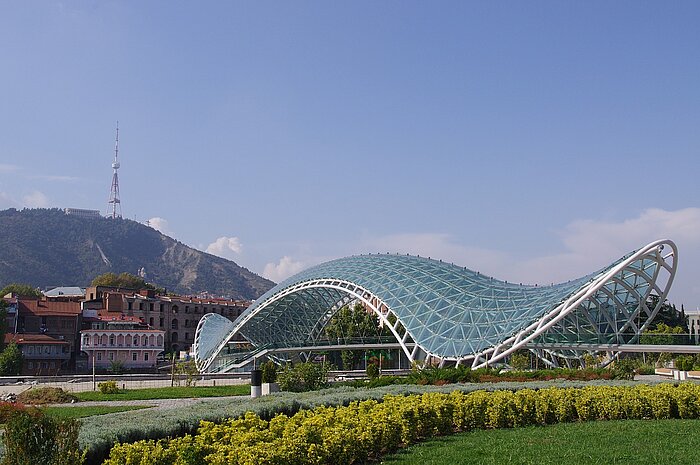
{"points": [[450, 311]]}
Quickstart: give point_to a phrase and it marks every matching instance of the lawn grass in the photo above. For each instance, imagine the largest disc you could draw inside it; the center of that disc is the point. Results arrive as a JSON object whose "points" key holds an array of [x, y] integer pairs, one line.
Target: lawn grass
{"points": [[602, 442], [82, 412], [178, 392]]}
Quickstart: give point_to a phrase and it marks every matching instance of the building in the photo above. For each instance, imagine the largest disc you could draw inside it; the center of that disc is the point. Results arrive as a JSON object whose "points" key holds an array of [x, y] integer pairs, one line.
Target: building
{"points": [[58, 322], [82, 213], [42, 355], [65, 293], [439, 313], [123, 340], [694, 325], [177, 316]]}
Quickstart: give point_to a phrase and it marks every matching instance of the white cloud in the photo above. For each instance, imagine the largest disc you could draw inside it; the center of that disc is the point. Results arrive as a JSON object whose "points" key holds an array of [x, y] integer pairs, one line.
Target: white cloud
{"points": [[6, 201], [160, 224], [35, 199], [225, 246], [4, 168], [283, 269], [48, 177]]}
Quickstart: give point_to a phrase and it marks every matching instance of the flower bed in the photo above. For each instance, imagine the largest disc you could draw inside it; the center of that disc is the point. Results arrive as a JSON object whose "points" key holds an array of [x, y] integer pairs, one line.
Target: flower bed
{"points": [[368, 429]]}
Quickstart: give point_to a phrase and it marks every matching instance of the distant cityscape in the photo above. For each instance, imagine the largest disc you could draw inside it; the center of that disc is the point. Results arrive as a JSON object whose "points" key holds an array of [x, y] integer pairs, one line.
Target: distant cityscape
{"points": [[69, 329]]}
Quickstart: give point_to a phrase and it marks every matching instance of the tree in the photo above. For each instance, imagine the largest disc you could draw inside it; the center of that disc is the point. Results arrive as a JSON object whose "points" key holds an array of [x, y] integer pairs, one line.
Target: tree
{"points": [[11, 360], [668, 314], [3, 322], [22, 290], [122, 280], [663, 334], [348, 324]]}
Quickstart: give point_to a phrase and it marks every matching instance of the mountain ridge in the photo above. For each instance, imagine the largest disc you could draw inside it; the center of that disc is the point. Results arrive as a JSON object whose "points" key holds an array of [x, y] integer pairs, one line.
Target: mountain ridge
{"points": [[45, 247]]}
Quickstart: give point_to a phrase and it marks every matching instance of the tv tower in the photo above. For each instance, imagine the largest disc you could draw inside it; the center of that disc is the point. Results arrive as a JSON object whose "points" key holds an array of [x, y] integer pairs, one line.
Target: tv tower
{"points": [[115, 205]]}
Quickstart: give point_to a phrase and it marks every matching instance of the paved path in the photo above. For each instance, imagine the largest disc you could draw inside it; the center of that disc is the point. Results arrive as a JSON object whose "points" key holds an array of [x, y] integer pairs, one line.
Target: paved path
{"points": [[160, 404], [83, 386]]}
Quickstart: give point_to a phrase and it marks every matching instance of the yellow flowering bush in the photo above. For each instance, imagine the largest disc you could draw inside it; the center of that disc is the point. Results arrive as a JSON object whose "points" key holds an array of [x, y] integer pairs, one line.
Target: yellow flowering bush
{"points": [[368, 429]]}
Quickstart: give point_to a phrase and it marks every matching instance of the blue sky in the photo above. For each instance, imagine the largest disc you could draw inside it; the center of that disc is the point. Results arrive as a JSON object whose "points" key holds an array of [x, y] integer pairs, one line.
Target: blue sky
{"points": [[533, 141]]}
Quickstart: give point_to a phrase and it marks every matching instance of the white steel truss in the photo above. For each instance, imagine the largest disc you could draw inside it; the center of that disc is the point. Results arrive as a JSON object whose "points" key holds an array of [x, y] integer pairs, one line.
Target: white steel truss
{"points": [[439, 313]]}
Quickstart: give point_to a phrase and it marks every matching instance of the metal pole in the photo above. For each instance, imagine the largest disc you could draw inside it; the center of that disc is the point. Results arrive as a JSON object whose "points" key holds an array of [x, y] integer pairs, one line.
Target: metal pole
{"points": [[172, 372], [94, 386]]}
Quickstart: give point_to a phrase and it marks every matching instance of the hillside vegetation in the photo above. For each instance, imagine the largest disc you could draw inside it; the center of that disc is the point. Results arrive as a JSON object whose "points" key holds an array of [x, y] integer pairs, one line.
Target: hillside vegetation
{"points": [[45, 247]]}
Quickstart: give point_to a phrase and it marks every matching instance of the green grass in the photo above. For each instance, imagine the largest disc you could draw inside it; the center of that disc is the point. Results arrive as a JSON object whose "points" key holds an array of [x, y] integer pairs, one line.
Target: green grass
{"points": [[604, 442], [167, 393], [82, 412]]}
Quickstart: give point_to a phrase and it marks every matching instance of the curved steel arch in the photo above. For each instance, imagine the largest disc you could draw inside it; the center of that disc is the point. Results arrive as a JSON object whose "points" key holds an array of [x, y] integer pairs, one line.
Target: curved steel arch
{"points": [[443, 312]]}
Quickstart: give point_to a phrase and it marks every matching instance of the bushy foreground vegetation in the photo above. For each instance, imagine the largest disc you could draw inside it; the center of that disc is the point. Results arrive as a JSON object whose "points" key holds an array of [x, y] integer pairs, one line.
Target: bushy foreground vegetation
{"points": [[368, 429], [100, 433], [32, 438]]}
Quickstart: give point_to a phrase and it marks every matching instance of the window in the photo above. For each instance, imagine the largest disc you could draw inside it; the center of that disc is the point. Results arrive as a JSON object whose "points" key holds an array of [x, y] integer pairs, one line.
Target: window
{"points": [[196, 309], [161, 322], [162, 306], [30, 365], [187, 336], [111, 339], [99, 356], [145, 356], [187, 309], [150, 321], [129, 304], [52, 365], [136, 340], [111, 356], [173, 337], [174, 324], [150, 306], [141, 306], [47, 349], [134, 356], [31, 349], [175, 309]]}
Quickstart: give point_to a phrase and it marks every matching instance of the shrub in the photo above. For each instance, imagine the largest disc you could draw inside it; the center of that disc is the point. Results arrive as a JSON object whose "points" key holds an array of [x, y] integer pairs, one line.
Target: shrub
{"points": [[34, 438], [520, 361], [684, 362], [269, 372], [116, 367], [302, 377], [364, 430], [108, 387], [372, 371], [624, 368], [9, 410], [46, 395]]}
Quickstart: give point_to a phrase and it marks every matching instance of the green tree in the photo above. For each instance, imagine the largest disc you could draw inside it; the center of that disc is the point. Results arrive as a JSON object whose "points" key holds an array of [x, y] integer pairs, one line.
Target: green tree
{"points": [[352, 323], [668, 314], [3, 322], [123, 280], [663, 334], [11, 360], [22, 290]]}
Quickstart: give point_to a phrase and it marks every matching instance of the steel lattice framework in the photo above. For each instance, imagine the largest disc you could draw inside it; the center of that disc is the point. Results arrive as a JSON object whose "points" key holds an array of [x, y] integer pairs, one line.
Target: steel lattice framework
{"points": [[442, 313]]}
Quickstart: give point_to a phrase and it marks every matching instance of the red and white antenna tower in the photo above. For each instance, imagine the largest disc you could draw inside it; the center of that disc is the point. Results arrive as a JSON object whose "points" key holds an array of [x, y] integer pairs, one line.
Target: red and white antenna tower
{"points": [[115, 205]]}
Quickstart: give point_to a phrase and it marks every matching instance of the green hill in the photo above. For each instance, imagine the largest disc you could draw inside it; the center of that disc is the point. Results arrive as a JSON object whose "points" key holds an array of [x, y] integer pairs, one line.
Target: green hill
{"points": [[46, 247]]}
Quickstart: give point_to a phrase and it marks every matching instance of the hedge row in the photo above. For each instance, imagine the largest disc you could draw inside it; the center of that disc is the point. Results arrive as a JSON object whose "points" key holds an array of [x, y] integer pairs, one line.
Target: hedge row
{"points": [[366, 430]]}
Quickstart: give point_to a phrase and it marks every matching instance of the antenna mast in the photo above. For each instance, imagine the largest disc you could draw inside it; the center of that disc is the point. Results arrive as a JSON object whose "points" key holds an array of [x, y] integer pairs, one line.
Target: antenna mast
{"points": [[115, 204]]}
